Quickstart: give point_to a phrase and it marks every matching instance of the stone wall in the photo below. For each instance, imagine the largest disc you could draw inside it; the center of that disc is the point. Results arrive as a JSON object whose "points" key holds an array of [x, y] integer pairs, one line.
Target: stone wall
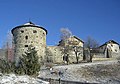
{"points": [[72, 56], [98, 55], [26, 36], [55, 54]]}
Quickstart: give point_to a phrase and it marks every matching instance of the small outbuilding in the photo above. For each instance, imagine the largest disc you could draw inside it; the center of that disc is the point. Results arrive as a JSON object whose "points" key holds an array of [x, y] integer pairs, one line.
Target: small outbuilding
{"points": [[110, 49]]}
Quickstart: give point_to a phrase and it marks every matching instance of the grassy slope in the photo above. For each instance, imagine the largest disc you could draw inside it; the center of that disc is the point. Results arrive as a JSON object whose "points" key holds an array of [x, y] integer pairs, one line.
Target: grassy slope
{"points": [[100, 72]]}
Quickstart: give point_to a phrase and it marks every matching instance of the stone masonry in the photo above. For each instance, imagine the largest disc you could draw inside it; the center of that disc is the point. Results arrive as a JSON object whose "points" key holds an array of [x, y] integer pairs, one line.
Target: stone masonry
{"points": [[29, 34]]}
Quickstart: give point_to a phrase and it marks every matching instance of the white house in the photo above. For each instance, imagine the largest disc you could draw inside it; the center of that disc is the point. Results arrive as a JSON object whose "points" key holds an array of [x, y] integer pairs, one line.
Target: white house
{"points": [[110, 49]]}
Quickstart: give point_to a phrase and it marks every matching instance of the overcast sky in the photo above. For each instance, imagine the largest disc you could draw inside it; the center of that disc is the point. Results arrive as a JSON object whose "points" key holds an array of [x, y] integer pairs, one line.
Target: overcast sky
{"points": [[99, 19]]}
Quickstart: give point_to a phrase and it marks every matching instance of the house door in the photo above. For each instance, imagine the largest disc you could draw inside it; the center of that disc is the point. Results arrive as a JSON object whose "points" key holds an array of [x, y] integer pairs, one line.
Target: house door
{"points": [[107, 55]]}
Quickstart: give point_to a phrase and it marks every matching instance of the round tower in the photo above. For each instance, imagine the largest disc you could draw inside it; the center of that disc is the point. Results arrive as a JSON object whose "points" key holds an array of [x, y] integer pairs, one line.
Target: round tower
{"points": [[29, 34]]}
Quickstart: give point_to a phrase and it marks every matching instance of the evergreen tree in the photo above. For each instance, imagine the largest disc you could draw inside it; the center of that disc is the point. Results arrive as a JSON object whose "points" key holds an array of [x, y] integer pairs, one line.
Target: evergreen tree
{"points": [[28, 64], [30, 61]]}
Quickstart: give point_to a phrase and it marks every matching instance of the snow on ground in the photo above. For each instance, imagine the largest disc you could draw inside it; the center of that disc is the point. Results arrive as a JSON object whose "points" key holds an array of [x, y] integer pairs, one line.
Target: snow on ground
{"points": [[99, 72], [13, 79], [105, 72]]}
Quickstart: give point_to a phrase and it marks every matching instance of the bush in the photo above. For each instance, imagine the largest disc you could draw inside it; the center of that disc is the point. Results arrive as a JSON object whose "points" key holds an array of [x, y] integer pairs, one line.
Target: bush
{"points": [[28, 64], [6, 67]]}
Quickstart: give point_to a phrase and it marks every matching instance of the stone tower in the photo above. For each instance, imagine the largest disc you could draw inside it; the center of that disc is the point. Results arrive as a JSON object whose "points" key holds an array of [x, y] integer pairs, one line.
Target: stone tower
{"points": [[29, 34]]}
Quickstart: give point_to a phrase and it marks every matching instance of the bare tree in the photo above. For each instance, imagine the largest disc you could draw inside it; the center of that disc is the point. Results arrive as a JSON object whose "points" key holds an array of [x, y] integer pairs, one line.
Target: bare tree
{"points": [[8, 41], [77, 50], [8, 46], [91, 43], [69, 46], [65, 33]]}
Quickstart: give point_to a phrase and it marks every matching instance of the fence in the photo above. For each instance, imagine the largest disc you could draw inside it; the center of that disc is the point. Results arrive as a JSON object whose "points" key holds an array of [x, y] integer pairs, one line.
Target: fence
{"points": [[59, 81]]}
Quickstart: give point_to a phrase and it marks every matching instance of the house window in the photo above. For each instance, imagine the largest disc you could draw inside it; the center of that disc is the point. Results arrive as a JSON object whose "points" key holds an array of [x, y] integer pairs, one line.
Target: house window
{"points": [[55, 49], [26, 45], [26, 37], [115, 50], [34, 31], [111, 45], [22, 31]]}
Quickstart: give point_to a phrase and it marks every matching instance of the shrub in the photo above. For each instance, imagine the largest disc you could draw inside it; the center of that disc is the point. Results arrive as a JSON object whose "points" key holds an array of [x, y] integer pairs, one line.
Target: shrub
{"points": [[6, 67], [28, 64]]}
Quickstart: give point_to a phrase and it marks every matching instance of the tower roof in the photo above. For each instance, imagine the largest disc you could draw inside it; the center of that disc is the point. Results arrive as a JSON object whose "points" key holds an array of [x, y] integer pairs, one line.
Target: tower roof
{"points": [[28, 24]]}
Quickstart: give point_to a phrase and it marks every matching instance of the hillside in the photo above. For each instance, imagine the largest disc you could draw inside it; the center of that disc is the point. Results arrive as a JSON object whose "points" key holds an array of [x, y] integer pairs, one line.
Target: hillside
{"points": [[99, 72]]}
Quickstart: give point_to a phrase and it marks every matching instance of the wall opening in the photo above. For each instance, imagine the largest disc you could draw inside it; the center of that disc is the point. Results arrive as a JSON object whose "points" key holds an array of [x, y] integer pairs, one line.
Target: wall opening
{"points": [[26, 45], [26, 37], [34, 31], [22, 31]]}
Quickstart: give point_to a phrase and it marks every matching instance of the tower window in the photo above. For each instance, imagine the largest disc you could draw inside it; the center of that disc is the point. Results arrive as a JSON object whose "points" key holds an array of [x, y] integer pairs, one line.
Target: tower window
{"points": [[26, 45], [34, 31], [26, 37], [22, 31]]}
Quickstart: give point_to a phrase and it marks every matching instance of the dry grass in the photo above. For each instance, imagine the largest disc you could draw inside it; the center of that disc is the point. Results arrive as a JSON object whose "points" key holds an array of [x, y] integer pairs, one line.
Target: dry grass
{"points": [[103, 59], [100, 71]]}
